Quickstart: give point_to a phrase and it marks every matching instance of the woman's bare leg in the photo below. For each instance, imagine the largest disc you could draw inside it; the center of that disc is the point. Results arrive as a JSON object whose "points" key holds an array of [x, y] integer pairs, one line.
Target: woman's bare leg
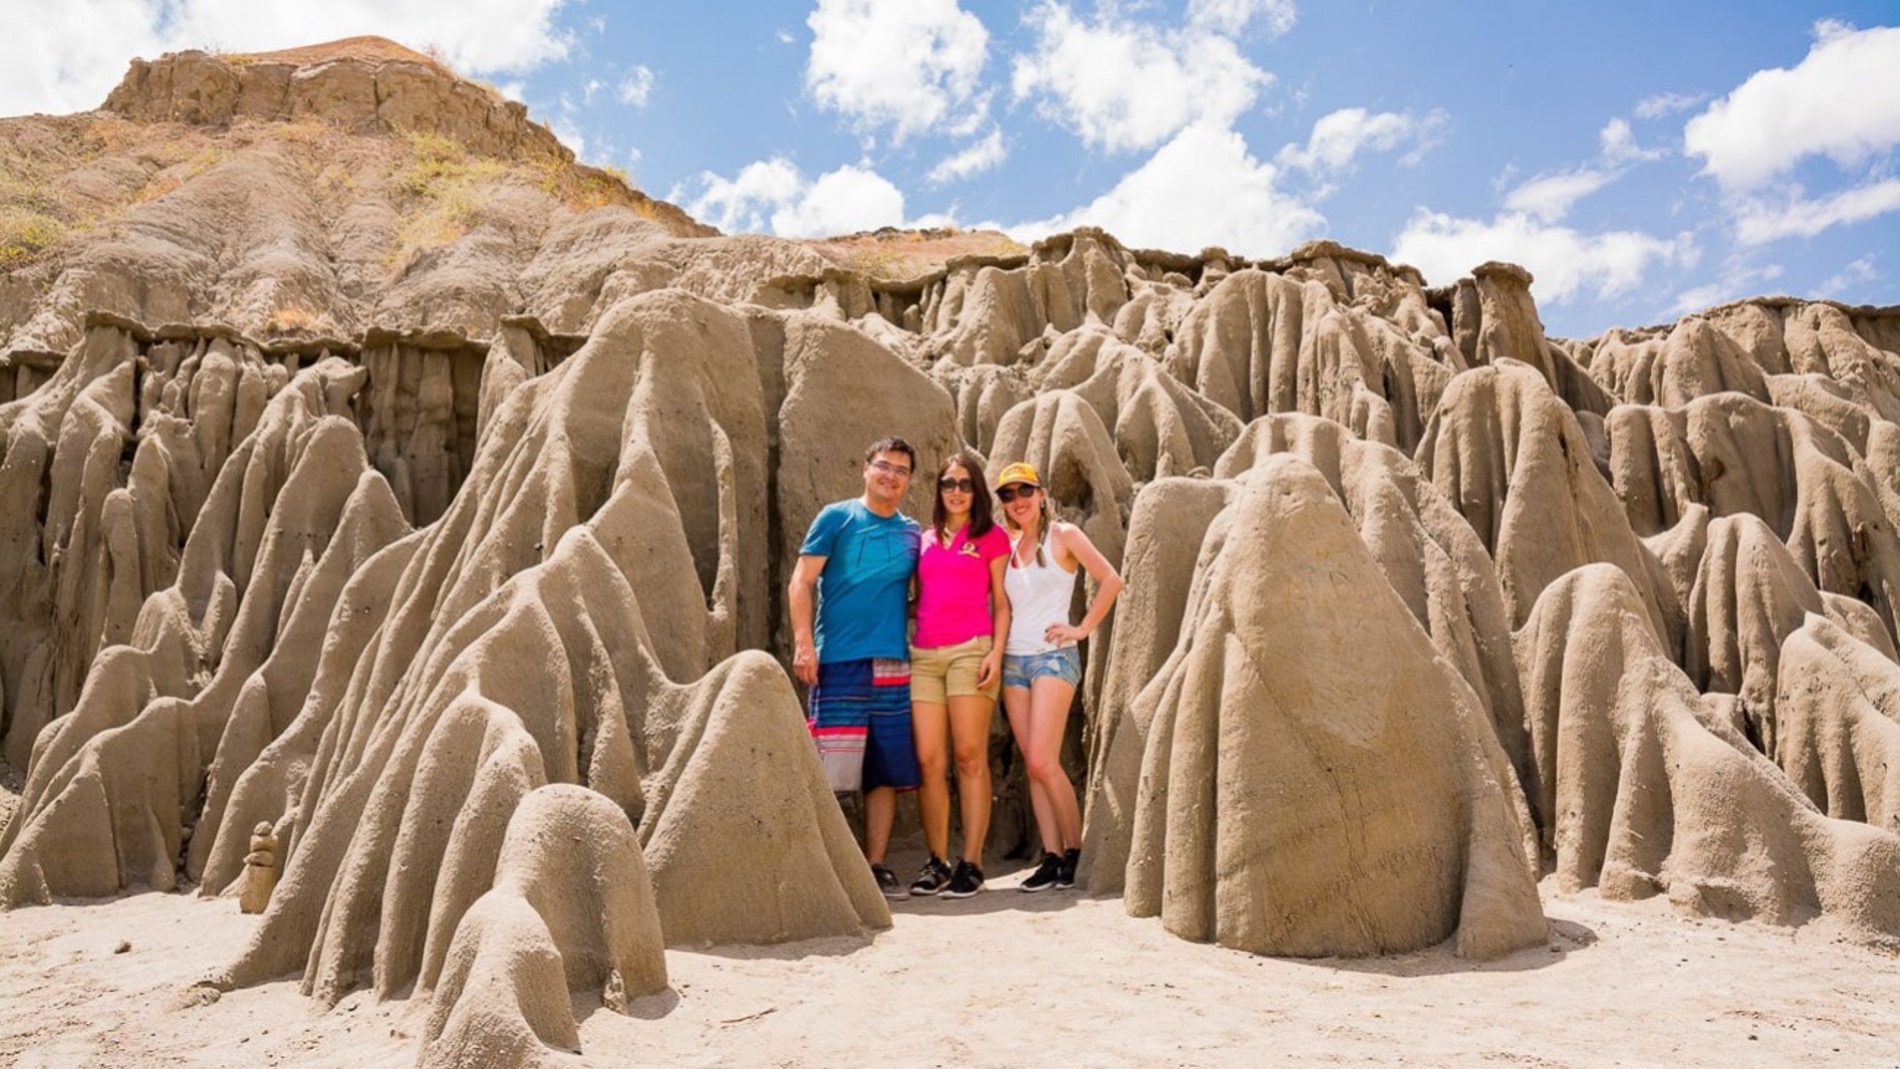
{"points": [[1016, 705], [1048, 717], [929, 725], [970, 739]]}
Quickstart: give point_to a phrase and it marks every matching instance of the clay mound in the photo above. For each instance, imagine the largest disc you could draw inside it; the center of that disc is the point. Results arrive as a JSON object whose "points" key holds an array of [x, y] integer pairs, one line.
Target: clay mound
{"points": [[1512, 458], [504, 1000], [1652, 791], [1693, 360], [1738, 455], [1266, 343], [1170, 518], [1837, 723], [1851, 348], [262, 765], [97, 535], [1160, 427], [124, 776], [1427, 552], [1749, 596], [1419, 836], [986, 311], [571, 911], [553, 670]]}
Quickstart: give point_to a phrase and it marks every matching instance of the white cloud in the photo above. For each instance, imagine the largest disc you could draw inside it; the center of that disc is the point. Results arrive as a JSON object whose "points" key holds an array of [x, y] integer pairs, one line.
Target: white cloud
{"points": [[568, 132], [1842, 101], [1697, 298], [774, 195], [1201, 188], [1565, 262], [1230, 17], [742, 203], [487, 36], [908, 65], [848, 199], [1759, 221], [974, 115], [983, 156], [1661, 104], [1342, 135], [1619, 144], [1548, 197], [636, 88], [1124, 85], [1855, 273], [1739, 279], [67, 57]]}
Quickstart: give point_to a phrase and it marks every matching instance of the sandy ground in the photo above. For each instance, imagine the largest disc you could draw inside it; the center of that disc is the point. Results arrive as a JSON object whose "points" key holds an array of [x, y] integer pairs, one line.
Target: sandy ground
{"points": [[1010, 979]]}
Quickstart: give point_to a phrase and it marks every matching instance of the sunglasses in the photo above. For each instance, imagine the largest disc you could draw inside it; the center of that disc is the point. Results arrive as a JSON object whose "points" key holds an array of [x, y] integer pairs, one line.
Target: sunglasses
{"points": [[961, 486], [1011, 493]]}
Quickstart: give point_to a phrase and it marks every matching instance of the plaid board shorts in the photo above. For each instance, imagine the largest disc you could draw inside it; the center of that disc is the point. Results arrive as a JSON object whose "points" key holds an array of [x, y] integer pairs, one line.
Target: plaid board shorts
{"points": [[860, 719]]}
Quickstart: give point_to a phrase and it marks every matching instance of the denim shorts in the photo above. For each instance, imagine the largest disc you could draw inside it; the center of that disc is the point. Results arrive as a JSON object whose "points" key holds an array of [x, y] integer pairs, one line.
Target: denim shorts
{"points": [[1064, 663]]}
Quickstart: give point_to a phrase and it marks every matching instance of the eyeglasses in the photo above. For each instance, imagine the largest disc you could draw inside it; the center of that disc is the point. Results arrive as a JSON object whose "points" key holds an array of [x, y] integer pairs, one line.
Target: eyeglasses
{"points": [[1011, 493], [961, 486], [889, 468]]}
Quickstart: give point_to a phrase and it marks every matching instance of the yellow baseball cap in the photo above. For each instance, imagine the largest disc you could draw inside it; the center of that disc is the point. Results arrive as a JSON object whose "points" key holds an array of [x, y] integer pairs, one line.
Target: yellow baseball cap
{"points": [[1018, 472]]}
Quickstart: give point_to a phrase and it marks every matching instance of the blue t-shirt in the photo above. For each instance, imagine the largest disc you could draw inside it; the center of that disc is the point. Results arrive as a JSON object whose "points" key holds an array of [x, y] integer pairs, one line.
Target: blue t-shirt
{"points": [[864, 589]]}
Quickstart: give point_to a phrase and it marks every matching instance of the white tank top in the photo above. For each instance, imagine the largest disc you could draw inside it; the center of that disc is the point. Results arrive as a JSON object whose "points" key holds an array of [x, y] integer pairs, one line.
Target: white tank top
{"points": [[1039, 595]]}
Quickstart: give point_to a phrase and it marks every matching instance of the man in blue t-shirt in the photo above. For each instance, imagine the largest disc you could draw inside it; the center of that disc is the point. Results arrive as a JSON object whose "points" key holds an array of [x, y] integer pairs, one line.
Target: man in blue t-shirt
{"points": [[854, 650]]}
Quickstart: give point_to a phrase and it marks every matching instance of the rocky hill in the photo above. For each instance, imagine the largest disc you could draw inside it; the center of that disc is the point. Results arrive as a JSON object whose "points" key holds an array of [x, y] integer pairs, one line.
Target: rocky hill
{"points": [[376, 476]]}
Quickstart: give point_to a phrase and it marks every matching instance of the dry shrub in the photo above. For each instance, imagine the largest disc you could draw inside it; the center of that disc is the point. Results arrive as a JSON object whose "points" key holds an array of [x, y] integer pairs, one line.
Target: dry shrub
{"points": [[582, 187], [106, 132], [446, 190], [291, 319], [31, 217], [178, 174], [24, 233]]}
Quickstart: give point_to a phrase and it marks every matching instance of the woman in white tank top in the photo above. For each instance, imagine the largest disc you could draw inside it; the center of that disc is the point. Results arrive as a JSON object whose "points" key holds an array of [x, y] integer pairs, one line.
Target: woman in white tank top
{"points": [[1041, 661]]}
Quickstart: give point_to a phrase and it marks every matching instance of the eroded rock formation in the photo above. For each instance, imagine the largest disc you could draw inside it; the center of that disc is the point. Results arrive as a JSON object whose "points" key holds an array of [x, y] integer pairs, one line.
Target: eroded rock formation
{"points": [[436, 520]]}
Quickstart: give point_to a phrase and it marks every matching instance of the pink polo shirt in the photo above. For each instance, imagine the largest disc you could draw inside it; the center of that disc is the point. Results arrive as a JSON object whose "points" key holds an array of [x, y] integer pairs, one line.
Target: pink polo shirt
{"points": [[953, 586]]}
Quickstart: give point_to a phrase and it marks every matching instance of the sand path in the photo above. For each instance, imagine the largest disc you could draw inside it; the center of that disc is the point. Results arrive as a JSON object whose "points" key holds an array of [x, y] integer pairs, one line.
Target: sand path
{"points": [[1012, 979]]}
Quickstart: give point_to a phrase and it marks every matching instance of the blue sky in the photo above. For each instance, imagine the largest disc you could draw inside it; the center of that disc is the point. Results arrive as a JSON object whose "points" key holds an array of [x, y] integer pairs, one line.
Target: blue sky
{"points": [[1642, 159]]}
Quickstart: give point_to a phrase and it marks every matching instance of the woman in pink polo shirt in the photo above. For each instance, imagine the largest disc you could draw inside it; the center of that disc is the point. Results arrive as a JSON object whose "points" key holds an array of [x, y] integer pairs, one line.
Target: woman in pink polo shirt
{"points": [[956, 668]]}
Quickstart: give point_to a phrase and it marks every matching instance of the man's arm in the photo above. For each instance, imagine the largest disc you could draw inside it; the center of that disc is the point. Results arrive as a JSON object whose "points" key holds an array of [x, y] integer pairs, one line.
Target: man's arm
{"points": [[801, 595]]}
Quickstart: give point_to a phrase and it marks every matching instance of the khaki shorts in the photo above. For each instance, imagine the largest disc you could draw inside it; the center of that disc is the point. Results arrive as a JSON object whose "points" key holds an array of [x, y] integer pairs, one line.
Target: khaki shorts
{"points": [[945, 672]]}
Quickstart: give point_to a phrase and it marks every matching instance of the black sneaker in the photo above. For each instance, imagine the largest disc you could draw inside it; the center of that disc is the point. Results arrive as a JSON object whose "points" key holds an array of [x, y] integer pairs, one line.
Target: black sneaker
{"points": [[887, 883], [1065, 874], [933, 877], [1045, 875], [967, 881]]}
